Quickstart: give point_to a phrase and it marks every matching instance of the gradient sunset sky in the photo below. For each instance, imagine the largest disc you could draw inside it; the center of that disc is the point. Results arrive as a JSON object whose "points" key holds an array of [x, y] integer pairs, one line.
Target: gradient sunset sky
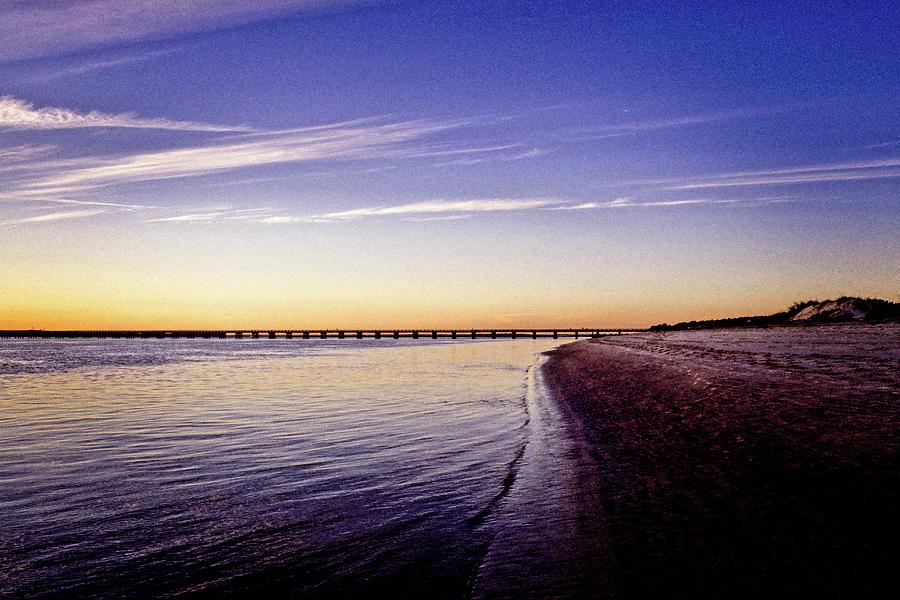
{"points": [[217, 163]]}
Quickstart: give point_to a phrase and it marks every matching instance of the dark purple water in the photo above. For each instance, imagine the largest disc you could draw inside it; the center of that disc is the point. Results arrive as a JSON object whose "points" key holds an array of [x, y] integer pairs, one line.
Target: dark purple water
{"points": [[158, 468]]}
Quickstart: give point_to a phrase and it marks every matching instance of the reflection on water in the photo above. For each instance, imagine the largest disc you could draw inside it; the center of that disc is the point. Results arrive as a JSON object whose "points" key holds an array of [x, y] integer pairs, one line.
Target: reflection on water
{"points": [[160, 467]]}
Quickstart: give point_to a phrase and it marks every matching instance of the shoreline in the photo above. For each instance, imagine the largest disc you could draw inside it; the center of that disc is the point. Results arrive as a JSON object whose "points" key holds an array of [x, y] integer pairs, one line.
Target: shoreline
{"points": [[737, 464]]}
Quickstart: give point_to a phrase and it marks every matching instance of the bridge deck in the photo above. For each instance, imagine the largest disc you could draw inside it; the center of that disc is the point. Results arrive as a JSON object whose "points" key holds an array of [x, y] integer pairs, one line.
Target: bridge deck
{"points": [[493, 333]]}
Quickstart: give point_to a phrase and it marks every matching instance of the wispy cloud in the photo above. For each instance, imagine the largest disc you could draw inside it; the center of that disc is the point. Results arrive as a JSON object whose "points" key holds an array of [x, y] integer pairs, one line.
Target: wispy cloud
{"points": [[26, 152], [56, 216], [884, 144], [818, 173], [688, 120], [251, 181], [684, 202], [337, 142], [121, 205], [428, 207], [616, 130], [19, 114], [224, 214], [428, 210], [432, 209], [593, 205], [503, 155], [30, 28], [443, 210], [207, 216], [101, 65], [435, 219], [627, 202]]}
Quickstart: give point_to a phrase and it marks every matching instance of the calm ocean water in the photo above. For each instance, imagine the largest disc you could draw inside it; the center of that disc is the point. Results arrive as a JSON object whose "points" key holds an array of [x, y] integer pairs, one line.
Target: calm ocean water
{"points": [[153, 468]]}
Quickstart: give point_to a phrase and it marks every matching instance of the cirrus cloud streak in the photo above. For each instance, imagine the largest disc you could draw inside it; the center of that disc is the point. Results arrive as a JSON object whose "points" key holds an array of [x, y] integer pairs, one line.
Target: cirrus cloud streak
{"points": [[19, 114], [358, 140], [818, 173], [30, 28], [430, 208], [56, 216]]}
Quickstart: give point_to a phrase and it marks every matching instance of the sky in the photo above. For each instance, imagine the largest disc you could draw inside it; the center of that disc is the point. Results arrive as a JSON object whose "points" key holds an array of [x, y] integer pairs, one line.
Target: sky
{"points": [[310, 164]]}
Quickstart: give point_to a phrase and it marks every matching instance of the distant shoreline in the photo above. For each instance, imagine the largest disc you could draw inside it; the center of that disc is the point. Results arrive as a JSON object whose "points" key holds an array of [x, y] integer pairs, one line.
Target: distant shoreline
{"points": [[742, 463], [846, 309]]}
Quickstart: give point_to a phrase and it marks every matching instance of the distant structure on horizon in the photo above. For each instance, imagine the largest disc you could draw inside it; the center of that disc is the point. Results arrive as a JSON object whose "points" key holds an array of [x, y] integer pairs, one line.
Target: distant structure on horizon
{"points": [[493, 333]]}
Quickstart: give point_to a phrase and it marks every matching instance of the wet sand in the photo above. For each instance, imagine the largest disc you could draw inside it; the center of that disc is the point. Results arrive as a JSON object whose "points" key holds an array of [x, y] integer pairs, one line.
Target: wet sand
{"points": [[742, 463]]}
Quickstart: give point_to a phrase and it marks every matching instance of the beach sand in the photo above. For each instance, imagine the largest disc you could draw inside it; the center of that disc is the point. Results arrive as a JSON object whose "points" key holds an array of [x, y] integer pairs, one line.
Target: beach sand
{"points": [[742, 463]]}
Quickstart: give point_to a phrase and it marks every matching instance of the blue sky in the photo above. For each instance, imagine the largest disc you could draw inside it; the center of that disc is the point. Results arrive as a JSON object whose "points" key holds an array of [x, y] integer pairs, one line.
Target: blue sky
{"points": [[714, 158]]}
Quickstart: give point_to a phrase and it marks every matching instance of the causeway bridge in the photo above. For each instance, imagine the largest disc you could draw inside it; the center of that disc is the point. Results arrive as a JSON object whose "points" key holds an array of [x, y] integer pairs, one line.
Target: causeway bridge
{"points": [[305, 334]]}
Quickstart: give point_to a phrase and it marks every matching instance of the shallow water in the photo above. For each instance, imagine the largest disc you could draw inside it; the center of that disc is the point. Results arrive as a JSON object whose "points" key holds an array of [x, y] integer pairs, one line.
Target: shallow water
{"points": [[135, 468], [550, 533]]}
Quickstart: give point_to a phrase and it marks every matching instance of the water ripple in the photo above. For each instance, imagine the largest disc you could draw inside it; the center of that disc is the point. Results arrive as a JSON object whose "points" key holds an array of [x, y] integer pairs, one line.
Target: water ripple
{"points": [[135, 468]]}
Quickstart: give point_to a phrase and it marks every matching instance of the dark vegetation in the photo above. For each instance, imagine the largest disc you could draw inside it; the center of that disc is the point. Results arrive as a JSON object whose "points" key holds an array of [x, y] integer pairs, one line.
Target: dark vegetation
{"points": [[844, 309]]}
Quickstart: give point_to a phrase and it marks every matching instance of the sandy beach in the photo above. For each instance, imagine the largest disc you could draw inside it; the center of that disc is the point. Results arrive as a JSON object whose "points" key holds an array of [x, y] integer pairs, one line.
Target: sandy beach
{"points": [[742, 463]]}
